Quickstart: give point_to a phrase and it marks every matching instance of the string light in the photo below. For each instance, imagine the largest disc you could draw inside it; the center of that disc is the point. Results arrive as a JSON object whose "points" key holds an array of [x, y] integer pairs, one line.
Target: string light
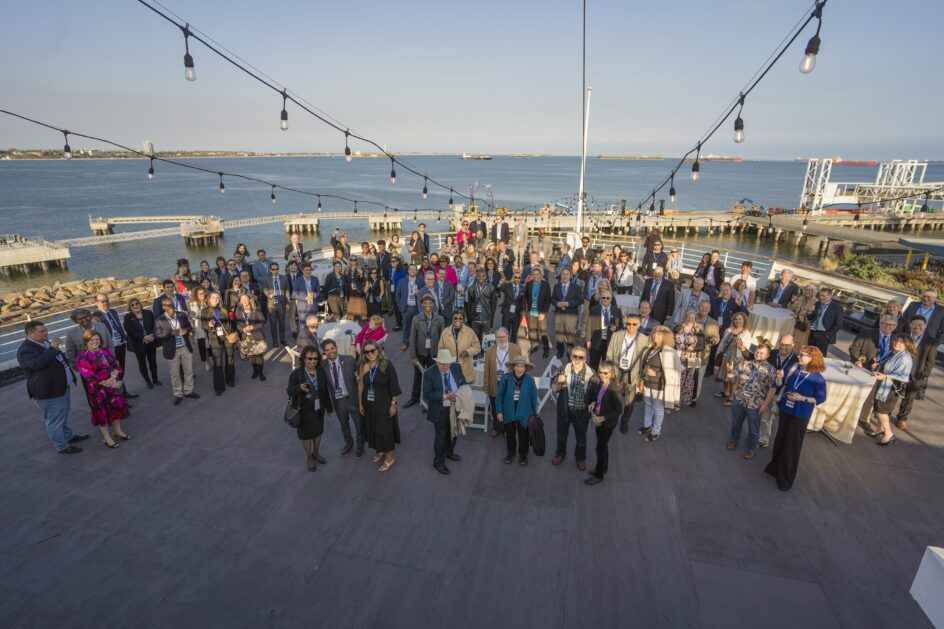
{"points": [[450, 199], [924, 207], [189, 73], [347, 149], [252, 72], [696, 169], [284, 124], [151, 169], [425, 189], [393, 172], [66, 150], [319, 203], [812, 47], [355, 208], [739, 123], [222, 187], [273, 195], [672, 188]]}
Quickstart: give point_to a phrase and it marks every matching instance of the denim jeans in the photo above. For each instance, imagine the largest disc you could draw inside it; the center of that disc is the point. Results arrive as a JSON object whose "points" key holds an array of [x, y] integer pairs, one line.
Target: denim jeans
{"points": [[408, 314], [655, 410], [738, 413], [56, 415]]}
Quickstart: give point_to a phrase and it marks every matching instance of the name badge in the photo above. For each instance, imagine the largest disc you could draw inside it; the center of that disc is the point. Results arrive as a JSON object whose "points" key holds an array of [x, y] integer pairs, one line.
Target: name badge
{"points": [[790, 404], [219, 331], [428, 343], [338, 393], [511, 309], [370, 395], [624, 364], [501, 374], [317, 404], [478, 308], [411, 301], [517, 395], [603, 334]]}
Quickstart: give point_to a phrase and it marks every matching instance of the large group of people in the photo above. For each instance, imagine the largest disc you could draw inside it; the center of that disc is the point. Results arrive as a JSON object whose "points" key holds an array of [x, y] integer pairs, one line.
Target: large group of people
{"points": [[472, 315]]}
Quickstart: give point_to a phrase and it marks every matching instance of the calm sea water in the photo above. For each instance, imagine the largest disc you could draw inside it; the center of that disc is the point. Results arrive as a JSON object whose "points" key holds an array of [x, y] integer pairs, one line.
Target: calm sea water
{"points": [[54, 198]]}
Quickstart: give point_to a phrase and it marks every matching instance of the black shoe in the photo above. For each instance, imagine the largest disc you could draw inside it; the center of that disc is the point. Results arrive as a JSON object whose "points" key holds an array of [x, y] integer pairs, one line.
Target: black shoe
{"points": [[523, 461], [71, 450], [624, 429], [283, 342], [886, 443], [219, 393], [593, 480], [546, 353], [359, 452], [452, 456], [150, 385], [652, 437], [193, 396], [442, 469], [261, 376], [78, 438], [411, 403], [157, 382], [509, 459], [644, 431], [255, 374], [398, 328], [130, 396], [178, 400]]}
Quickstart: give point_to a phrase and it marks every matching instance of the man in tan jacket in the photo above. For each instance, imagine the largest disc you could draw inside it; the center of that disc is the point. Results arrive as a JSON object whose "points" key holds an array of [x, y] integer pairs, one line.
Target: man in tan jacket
{"points": [[626, 351], [497, 358], [462, 343]]}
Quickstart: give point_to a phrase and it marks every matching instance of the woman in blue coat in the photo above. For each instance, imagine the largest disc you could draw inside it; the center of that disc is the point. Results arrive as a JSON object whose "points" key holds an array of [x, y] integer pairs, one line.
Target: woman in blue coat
{"points": [[515, 402]]}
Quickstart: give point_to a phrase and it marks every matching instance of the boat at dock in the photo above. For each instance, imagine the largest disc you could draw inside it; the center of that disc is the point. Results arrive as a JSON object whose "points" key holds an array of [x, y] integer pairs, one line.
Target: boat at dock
{"points": [[476, 156]]}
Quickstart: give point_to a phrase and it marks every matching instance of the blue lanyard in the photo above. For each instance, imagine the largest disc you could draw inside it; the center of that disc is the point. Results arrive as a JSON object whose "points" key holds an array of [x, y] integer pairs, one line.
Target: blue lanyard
{"points": [[312, 381], [779, 362], [371, 374], [797, 380]]}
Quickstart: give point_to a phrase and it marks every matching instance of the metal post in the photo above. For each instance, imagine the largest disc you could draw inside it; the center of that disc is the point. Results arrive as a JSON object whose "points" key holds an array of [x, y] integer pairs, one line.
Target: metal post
{"points": [[583, 159]]}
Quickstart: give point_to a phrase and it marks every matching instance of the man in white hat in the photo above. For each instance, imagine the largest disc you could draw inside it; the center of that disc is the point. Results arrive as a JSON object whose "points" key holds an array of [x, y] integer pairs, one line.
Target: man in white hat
{"points": [[440, 384]]}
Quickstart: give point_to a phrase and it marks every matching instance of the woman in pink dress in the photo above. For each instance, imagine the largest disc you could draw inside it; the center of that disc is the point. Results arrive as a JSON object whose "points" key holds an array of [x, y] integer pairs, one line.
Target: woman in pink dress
{"points": [[102, 375], [373, 330]]}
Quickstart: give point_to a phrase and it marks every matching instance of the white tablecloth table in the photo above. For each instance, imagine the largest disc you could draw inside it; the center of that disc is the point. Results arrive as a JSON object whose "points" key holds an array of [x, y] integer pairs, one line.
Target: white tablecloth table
{"points": [[479, 375], [342, 333], [846, 394], [628, 302], [770, 323]]}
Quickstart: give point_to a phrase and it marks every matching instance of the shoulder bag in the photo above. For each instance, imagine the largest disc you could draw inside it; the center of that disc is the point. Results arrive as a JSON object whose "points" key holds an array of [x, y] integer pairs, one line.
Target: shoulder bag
{"points": [[292, 414]]}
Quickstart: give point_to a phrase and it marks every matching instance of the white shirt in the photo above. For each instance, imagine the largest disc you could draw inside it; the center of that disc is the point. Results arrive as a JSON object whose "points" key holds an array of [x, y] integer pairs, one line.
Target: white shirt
{"points": [[501, 358], [341, 389], [628, 351]]}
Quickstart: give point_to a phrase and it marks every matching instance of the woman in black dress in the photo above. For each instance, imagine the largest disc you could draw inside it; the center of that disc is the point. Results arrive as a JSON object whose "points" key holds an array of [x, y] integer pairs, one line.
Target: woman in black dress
{"points": [[308, 388], [374, 291], [377, 390]]}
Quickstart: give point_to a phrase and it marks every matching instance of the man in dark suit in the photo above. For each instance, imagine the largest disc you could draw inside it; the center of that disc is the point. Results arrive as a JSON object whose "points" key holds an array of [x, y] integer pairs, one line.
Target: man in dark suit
{"points": [[294, 250], [173, 330], [291, 309], [505, 259], [339, 370], [602, 322], [170, 292], [781, 292], [653, 259], [932, 312], [48, 378], [714, 276], [532, 263], [660, 293], [336, 291], [425, 330], [513, 305], [440, 384], [500, 231], [383, 267], [278, 292], [922, 366], [421, 228], [584, 252], [477, 225], [305, 293], [480, 305], [825, 321], [873, 345], [407, 297]]}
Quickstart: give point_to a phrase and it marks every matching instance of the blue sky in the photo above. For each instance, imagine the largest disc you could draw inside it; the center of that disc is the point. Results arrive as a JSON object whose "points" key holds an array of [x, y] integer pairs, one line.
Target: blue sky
{"points": [[486, 76]]}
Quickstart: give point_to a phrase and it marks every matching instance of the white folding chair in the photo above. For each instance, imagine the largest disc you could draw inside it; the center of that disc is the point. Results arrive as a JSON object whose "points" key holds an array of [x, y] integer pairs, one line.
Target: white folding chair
{"points": [[482, 409], [295, 353], [543, 384]]}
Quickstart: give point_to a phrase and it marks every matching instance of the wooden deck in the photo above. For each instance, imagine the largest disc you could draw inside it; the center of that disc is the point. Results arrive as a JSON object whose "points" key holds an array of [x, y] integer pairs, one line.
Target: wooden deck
{"points": [[209, 519]]}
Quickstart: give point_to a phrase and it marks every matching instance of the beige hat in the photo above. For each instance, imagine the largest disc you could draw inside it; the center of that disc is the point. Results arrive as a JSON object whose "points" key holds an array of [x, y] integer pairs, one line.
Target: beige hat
{"points": [[520, 360], [444, 357]]}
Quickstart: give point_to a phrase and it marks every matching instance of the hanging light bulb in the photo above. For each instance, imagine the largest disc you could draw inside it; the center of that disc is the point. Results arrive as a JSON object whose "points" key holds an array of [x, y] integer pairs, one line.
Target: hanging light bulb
{"points": [[425, 189], [924, 207], [672, 188], [812, 47], [450, 198], [319, 203], [355, 208], [273, 195], [739, 123], [66, 150], [696, 171], [393, 172], [189, 73], [151, 169], [347, 148], [284, 124], [222, 187]]}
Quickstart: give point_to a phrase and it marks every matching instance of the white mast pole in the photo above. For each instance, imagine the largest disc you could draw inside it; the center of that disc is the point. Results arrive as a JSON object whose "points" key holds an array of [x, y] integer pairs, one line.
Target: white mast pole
{"points": [[583, 160]]}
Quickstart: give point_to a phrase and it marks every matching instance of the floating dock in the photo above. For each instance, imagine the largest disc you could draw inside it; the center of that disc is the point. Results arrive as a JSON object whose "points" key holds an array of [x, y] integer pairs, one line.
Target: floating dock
{"points": [[24, 254]]}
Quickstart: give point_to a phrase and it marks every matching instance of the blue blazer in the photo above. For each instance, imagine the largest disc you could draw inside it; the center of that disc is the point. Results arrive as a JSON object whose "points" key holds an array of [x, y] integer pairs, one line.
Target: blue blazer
{"points": [[164, 333], [300, 294], [813, 386], [45, 374], [433, 388], [832, 319], [403, 291], [527, 402]]}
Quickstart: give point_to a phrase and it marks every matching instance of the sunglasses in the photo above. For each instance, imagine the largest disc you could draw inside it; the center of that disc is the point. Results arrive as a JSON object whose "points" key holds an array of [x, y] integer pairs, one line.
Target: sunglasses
{"points": [[134, 303], [577, 356], [370, 351], [804, 355], [516, 277], [457, 318], [307, 358], [632, 325]]}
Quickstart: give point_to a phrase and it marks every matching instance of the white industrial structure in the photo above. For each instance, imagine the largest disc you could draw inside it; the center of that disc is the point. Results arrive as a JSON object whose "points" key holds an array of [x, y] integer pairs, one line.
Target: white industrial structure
{"points": [[899, 186]]}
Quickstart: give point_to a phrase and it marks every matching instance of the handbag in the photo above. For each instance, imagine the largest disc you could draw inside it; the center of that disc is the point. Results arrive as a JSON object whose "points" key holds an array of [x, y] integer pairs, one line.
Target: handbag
{"points": [[536, 434], [251, 347], [292, 414], [802, 326]]}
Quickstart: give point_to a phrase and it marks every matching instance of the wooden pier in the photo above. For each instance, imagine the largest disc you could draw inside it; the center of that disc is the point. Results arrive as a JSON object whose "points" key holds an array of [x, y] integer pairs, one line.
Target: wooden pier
{"points": [[23, 254]]}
